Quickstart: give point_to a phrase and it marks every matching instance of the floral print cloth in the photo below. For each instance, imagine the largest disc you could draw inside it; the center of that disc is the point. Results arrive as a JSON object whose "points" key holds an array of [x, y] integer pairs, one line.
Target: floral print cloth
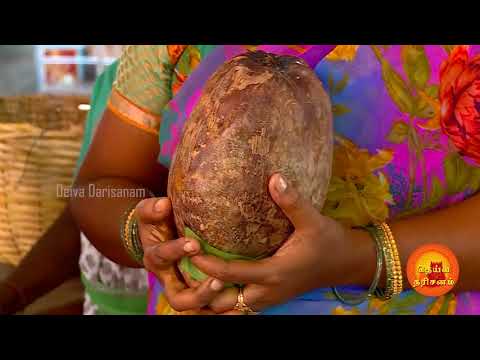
{"points": [[407, 131]]}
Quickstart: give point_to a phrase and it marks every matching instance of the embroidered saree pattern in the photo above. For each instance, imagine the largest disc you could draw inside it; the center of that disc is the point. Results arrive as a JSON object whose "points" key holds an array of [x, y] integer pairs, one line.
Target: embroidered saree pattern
{"points": [[147, 78]]}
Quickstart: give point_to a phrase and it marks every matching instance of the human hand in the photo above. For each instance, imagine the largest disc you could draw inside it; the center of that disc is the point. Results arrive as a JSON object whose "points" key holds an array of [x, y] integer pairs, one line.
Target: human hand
{"points": [[162, 252], [319, 253]]}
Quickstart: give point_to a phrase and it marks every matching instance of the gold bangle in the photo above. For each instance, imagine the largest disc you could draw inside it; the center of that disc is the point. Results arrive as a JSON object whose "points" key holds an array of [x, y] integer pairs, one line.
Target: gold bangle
{"points": [[128, 227], [394, 281], [397, 271]]}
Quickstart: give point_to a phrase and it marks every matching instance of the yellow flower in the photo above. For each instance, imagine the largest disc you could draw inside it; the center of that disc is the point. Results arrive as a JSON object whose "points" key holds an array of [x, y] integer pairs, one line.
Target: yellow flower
{"points": [[343, 53], [194, 58], [339, 310], [357, 195], [376, 305]]}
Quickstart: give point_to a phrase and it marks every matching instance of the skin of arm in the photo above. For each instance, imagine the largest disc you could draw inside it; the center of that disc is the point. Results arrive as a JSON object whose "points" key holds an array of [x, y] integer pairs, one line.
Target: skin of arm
{"points": [[124, 157], [456, 227], [322, 253], [120, 157], [49, 263]]}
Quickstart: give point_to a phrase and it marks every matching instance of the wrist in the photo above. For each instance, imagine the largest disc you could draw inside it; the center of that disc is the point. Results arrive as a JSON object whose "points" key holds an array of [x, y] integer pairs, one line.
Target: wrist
{"points": [[129, 234], [361, 258]]}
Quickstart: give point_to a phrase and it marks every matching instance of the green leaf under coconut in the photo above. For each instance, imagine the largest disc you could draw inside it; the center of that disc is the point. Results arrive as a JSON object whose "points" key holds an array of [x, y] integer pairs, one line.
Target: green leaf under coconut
{"points": [[188, 267]]}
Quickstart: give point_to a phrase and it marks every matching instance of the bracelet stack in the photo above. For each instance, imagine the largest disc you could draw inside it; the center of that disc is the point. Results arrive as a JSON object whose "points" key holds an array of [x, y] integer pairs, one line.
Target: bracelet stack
{"points": [[130, 236], [386, 253], [394, 281]]}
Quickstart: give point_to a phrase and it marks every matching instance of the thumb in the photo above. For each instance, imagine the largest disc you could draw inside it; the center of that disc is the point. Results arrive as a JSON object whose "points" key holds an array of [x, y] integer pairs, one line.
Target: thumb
{"points": [[154, 210], [300, 211]]}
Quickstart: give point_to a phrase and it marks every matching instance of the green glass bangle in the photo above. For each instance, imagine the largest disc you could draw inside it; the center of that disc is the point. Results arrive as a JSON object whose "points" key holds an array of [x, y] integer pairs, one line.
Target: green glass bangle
{"points": [[378, 272]]}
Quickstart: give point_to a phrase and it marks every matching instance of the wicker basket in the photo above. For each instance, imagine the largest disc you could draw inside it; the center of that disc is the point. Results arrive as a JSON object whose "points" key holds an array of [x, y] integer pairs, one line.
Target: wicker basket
{"points": [[40, 139]]}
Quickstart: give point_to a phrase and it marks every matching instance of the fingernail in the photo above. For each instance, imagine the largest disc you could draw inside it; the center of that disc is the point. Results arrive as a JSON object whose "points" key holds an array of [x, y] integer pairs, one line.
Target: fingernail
{"points": [[216, 285], [281, 184], [158, 205], [188, 247]]}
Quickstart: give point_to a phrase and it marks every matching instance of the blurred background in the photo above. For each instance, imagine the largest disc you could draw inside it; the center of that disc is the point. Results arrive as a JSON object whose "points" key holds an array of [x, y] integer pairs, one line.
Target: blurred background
{"points": [[59, 69], [44, 101]]}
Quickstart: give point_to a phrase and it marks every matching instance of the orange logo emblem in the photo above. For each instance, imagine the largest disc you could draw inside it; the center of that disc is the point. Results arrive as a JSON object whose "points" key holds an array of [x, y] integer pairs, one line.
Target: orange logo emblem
{"points": [[432, 270]]}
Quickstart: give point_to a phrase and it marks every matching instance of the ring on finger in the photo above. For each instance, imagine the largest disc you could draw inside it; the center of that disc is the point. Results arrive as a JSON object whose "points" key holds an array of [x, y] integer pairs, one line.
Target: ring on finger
{"points": [[242, 306]]}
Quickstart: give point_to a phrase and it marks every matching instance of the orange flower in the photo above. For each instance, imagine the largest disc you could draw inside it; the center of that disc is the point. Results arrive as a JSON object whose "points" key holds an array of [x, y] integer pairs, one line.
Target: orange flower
{"points": [[174, 52], [460, 101]]}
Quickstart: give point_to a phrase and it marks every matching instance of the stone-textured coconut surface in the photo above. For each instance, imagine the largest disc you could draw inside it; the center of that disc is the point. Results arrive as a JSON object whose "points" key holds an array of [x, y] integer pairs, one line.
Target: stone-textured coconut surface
{"points": [[259, 114]]}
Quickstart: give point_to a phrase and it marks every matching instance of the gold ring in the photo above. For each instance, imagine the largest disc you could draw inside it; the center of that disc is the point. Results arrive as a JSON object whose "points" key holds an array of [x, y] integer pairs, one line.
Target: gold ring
{"points": [[241, 306]]}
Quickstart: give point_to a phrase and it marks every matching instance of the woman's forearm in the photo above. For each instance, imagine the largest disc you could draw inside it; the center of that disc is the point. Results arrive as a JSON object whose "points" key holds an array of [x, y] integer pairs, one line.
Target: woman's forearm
{"points": [[121, 157], [99, 214], [457, 227], [51, 261]]}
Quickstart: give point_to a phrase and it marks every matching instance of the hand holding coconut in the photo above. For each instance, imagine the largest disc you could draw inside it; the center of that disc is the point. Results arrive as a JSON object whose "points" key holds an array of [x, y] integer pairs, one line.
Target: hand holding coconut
{"points": [[162, 252], [259, 114], [309, 259]]}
